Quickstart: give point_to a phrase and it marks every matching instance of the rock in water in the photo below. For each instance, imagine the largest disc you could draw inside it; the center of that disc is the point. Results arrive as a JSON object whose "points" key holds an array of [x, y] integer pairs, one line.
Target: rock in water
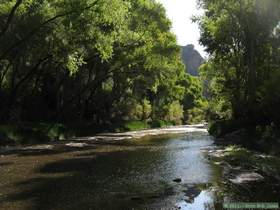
{"points": [[191, 193], [177, 180], [246, 177]]}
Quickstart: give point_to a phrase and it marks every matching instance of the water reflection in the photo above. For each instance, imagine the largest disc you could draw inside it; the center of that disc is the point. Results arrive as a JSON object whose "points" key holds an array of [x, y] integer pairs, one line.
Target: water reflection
{"points": [[203, 201], [134, 174]]}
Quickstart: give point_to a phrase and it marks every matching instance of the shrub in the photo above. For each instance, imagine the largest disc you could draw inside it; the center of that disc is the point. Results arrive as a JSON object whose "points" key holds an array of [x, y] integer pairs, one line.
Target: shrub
{"points": [[222, 127], [32, 133], [161, 123], [135, 125], [195, 115], [175, 113]]}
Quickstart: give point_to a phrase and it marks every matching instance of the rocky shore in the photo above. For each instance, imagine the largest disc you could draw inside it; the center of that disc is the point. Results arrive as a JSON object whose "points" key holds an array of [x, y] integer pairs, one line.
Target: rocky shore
{"points": [[241, 166]]}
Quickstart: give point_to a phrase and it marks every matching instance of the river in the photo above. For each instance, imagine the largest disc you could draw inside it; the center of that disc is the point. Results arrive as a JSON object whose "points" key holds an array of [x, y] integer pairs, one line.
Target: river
{"points": [[160, 172]]}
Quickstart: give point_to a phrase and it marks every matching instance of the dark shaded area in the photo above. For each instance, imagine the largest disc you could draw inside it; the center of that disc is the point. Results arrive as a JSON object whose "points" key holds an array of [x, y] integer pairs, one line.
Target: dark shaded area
{"points": [[259, 137], [5, 164], [266, 191]]}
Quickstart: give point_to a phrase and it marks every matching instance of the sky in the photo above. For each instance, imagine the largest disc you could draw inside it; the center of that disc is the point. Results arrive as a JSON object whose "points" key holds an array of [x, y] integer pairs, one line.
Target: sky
{"points": [[180, 13]]}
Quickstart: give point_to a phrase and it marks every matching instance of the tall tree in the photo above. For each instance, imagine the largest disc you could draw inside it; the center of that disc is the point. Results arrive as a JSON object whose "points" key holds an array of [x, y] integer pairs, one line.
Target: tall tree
{"points": [[239, 36]]}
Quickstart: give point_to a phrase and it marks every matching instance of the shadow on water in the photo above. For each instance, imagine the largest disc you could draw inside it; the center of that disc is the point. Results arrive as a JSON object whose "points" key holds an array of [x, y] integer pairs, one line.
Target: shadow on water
{"points": [[86, 183]]}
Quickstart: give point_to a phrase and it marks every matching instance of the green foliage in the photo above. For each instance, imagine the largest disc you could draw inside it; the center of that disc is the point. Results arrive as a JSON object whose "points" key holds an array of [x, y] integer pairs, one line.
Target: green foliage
{"points": [[53, 131], [32, 132], [269, 94], [97, 62], [173, 112], [135, 125], [74, 63], [242, 73], [160, 123], [196, 115], [194, 101], [140, 111], [219, 106], [222, 127]]}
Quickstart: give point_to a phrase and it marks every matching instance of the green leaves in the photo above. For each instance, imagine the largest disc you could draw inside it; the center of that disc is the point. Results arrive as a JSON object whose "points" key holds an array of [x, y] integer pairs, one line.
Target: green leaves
{"points": [[74, 63], [240, 36], [90, 60]]}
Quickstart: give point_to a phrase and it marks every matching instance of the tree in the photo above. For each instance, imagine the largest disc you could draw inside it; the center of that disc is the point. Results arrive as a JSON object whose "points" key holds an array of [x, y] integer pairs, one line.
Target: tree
{"points": [[240, 38], [98, 61]]}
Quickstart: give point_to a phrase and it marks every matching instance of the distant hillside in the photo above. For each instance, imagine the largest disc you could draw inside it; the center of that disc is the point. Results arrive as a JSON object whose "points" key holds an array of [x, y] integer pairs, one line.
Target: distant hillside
{"points": [[192, 59]]}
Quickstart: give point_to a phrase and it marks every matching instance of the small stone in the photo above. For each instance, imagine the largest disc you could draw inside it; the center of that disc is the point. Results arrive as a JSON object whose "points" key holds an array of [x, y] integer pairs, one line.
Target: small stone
{"points": [[191, 192], [178, 180]]}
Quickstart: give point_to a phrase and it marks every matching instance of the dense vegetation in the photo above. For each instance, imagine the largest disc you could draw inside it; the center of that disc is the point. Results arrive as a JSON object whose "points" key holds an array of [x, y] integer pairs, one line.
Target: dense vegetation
{"points": [[243, 71], [92, 61]]}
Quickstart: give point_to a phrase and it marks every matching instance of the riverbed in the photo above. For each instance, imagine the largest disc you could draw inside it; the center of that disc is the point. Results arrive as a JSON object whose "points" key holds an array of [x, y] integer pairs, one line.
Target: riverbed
{"points": [[169, 171]]}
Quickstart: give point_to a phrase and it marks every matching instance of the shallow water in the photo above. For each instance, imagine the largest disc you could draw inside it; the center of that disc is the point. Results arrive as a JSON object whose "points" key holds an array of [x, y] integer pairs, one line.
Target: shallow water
{"points": [[134, 174]]}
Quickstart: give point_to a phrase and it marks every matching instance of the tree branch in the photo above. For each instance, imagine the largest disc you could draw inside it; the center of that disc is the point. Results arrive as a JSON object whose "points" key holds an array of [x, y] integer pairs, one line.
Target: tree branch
{"points": [[35, 30], [10, 18]]}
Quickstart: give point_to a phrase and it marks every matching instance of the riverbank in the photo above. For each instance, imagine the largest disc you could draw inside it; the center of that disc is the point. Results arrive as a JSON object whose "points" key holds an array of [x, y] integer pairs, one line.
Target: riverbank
{"points": [[103, 138], [147, 132], [248, 156], [261, 138], [35, 133], [247, 171]]}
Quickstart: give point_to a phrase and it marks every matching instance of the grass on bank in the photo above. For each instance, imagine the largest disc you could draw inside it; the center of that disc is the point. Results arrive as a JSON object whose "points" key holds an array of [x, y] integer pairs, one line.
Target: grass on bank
{"points": [[135, 125]]}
